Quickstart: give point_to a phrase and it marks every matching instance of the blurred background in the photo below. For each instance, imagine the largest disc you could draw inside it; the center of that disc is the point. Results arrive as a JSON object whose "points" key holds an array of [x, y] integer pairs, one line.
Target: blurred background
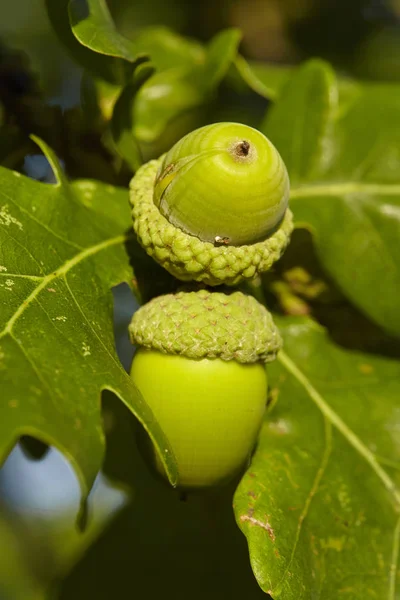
{"points": [[360, 37], [41, 90]]}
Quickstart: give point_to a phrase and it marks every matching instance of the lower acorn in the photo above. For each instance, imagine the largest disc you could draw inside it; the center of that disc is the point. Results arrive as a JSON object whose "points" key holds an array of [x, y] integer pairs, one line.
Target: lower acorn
{"points": [[200, 367]]}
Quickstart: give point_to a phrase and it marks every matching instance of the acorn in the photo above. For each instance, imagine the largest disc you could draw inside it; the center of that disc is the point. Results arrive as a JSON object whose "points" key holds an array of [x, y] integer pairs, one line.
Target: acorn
{"points": [[200, 366], [214, 209]]}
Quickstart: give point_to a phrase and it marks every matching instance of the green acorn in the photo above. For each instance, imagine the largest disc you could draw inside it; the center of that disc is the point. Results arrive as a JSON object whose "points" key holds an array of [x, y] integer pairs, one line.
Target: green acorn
{"points": [[200, 367], [214, 208]]}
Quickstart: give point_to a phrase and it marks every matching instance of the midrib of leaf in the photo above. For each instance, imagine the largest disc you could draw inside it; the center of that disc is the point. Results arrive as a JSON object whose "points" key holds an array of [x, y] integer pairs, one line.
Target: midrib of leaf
{"points": [[22, 276], [344, 188], [62, 270], [341, 426]]}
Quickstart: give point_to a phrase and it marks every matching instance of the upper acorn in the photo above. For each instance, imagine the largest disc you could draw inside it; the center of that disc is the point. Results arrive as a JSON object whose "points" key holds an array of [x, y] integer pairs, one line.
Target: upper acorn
{"points": [[215, 207], [223, 182]]}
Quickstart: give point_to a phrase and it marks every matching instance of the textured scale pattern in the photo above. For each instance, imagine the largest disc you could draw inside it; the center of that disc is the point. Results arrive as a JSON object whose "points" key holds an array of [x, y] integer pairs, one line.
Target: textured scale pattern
{"points": [[188, 258], [206, 324]]}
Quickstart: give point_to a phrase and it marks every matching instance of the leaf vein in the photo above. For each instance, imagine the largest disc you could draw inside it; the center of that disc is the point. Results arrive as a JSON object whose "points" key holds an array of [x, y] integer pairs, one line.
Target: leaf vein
{"points": [[62, 270], [110, 354], [341, 426], [314, 488], [59, 330], [35, 220], [24, 248], [21, 276], [344, 188]]}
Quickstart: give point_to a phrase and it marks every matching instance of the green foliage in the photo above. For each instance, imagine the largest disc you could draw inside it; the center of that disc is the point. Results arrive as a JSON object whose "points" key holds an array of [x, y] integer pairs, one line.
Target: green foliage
{"points": [[165, 105], [100, 65], [93, 27], [63, 247], [319, 503], [343, 162]]}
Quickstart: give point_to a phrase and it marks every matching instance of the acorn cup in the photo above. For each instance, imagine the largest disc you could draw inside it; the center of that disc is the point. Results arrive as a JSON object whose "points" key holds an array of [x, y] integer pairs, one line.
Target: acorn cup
{"points": [[200, 366], [214, 209]]}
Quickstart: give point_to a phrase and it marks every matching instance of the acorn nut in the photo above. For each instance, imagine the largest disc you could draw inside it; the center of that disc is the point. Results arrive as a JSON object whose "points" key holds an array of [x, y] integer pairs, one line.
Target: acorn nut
{"points": [[200, 367], [215, 207]]}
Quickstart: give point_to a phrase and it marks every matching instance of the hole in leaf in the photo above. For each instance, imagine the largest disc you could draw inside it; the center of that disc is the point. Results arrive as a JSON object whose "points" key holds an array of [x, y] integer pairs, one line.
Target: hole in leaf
{"points": [[46, 493], [38, 167], [45, 487], [33, 448], [125, 305]]}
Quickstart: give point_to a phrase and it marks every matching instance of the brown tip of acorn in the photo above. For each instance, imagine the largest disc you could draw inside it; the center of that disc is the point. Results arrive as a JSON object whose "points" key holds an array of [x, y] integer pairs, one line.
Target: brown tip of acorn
{"points": [[242, 150]]}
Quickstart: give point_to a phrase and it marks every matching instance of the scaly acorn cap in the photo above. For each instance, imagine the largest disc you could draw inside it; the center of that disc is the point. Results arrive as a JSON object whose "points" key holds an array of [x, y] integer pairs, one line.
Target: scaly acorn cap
{"points": [[206, 324], [185, 240]]}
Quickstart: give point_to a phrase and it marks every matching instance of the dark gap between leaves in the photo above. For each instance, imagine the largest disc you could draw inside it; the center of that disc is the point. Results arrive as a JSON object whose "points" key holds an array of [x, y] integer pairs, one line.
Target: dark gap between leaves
{"points": [[345, 324]]}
